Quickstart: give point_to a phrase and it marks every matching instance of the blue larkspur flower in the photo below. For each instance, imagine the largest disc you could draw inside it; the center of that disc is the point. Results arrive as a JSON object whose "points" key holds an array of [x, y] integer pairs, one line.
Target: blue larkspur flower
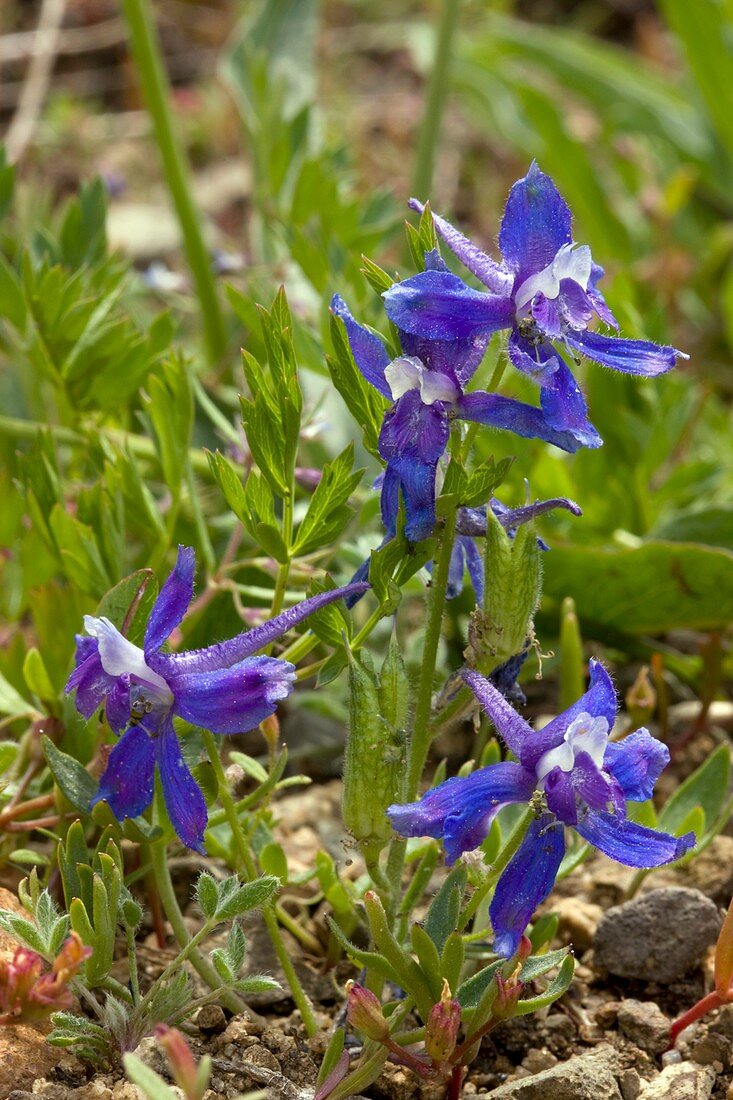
{"points": [[222, 688], [549, 289], [585, 780], [426, 387]]}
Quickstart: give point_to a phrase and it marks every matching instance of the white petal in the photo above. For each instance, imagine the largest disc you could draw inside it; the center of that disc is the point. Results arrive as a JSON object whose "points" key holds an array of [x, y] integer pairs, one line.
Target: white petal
{"points": [[119, 656], [584, 734], [403, 374], [437, 387], [571, 262]]}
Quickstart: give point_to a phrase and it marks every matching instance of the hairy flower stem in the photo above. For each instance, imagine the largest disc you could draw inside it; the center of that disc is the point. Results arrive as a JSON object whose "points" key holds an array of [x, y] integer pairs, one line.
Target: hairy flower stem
{"points": [[149, 64], [435, 101], [161, 873], [249, 869]]}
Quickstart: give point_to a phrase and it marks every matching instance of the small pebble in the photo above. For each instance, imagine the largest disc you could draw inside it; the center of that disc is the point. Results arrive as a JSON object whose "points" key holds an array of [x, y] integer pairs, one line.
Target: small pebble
{"points": [[211, 1019], [644, 1023]]}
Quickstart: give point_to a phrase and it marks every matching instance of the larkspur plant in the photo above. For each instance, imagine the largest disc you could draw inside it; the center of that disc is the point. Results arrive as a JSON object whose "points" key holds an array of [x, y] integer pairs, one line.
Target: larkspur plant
{"points": [[523, 812]]}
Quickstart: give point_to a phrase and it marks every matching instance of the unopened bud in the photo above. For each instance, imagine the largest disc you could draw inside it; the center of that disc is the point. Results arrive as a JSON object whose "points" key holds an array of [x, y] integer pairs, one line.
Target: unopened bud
{"points": [[182, 1062], [641, 698], [270, 730], [364, 1013], [442, 1027], [509, 991]]}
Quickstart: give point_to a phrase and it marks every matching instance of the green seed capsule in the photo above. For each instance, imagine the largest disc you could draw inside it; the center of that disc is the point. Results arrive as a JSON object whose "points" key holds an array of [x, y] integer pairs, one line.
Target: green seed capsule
{"points": [[375, 747]]}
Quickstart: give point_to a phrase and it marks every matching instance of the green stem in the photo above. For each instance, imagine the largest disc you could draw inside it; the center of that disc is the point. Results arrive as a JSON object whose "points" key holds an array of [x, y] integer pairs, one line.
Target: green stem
{"points": [[138, 445], [204, 542], [420, 742], [161, 873], [250, 870], [435, 100], [146, 54], [132, 959]]}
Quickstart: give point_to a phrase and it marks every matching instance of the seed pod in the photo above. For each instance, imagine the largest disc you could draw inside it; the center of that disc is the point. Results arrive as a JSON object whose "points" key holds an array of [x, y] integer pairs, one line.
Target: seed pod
{"points": [[373, 758]]}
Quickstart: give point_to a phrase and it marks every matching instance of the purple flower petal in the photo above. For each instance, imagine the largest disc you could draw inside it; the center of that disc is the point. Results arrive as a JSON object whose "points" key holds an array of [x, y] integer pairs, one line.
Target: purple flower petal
{"points": [[512, 728], [173, 600], [636, 763], [127, 783], [490, 273], [561, 796], [370, 354], [598, 790], [475, 565], [184, 800], [535, 226], [548, 315], [575, 305], [526, 882], [91, 682], [640, 357], [117, 704], [459, 359], [513, 416], [226, 654], [460, 810], [439, 306], [599, 701], [233, 700], [456, 568], [631, 844], [535, 358], [564, 407], [412, 440]]}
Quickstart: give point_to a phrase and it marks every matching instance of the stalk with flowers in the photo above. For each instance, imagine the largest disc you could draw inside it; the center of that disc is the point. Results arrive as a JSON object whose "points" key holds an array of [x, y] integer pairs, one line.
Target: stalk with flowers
{"points": [[158, 680]]}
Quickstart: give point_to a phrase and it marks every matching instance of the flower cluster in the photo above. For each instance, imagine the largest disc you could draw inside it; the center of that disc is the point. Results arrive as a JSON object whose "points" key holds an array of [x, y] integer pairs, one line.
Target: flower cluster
{"points": [[584, 780], [27, 994], [544, 292], [223, 688]]}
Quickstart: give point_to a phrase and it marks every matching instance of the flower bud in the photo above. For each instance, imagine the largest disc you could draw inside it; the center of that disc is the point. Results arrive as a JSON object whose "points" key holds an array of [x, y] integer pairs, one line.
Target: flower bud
{"points": [[70, 959], [270, 730], [641, 698], [364, 1013], [509, 991], [183, 1065], [442, 1027], [374, 754], [513, 587]]}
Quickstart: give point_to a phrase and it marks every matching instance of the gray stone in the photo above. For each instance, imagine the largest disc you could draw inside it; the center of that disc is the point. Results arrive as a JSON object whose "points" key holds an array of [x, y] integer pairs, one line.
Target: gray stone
{"points": [[658, 936], [630, 1084], [585, 1077], [644, 1023], [684, 1081]]}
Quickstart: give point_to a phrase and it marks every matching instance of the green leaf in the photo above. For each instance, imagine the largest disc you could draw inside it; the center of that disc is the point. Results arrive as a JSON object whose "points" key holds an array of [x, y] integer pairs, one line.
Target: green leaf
{"points": [[170, 407], [12, 703], [483, 483], [129, 603], [207, 894], [442, 916], [559, 985], [257, 983], [365, 404], [651, 589], [235, 899], [36, 676], [327, 513], [706, 788], [153, 1086], [273, 861], [75, 783], [470, 993], [249, 766], [7, 183], [537, 965]]}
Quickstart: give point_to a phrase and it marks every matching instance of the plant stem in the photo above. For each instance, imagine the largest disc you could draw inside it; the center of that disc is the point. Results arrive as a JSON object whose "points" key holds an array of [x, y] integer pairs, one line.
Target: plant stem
{"points": [[161, 873], [250, 870], [138, 445], [146, 54], [515, 839], [704, 1005], [420, 742], [435, 101]]}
